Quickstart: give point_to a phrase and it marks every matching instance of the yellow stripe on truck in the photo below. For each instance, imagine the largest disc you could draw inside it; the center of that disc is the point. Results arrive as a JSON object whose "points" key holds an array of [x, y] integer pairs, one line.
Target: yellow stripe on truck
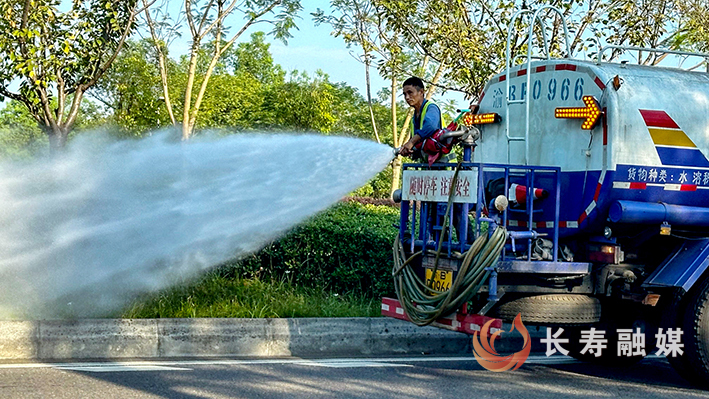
{"points": [[673, 137]]}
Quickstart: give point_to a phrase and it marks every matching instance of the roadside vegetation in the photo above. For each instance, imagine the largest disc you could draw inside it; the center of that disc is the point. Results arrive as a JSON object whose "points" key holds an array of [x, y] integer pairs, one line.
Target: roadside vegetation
{"points": [[338, 264], [216, 295]]}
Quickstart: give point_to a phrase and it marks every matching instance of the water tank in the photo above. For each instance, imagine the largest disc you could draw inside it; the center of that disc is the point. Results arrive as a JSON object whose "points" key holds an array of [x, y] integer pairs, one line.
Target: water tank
{"points": [[651, 144]]}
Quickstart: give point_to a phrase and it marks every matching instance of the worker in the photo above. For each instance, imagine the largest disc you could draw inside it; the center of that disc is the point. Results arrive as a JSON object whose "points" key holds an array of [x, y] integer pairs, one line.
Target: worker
{"points": [[427, 119]]}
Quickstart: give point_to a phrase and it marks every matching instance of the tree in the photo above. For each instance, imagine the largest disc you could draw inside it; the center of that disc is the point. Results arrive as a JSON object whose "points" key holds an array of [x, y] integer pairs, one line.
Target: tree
{"points": [[131, 90], [695, 26], [302, 103], [233, 101], [254, 57], [356, 24], [56, 56], [208, 20], [19, 133]]}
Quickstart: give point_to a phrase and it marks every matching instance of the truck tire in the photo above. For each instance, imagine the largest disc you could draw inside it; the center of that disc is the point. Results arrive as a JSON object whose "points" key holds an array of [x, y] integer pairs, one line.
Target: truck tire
{"points": [[567, 309], [693, 364]]}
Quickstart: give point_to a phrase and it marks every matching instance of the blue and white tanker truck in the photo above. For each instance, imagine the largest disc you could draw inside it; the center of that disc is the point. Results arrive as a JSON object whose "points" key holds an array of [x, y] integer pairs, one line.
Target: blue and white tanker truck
{"points": [[582, 202]]}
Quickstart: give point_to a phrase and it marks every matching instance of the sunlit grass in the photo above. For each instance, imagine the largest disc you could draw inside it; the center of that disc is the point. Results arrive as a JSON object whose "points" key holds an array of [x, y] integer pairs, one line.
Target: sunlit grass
{"points": [[219, 296]]}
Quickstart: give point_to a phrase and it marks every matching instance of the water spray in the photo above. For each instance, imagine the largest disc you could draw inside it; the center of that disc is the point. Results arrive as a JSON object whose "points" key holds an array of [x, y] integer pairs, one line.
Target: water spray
{"points": [[82, 235]]}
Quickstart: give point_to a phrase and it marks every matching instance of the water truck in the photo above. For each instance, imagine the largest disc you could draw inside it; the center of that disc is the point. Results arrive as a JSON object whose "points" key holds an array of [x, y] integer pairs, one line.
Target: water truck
{"points": [[581, 204]]}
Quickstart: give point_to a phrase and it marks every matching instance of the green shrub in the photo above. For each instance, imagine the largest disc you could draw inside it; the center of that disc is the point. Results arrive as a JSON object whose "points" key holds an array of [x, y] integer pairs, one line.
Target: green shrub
{"points": [[346, 249], [378, 187], [218, 296]]}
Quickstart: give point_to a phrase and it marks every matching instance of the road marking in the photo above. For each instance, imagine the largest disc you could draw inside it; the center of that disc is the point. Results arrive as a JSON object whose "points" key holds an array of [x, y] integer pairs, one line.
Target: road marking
{"points": [[113, 368], [353, 362]]}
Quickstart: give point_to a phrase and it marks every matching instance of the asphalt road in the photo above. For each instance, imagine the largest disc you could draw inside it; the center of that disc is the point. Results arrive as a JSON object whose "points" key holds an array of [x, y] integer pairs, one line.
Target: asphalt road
{"points": [[423, 377]]}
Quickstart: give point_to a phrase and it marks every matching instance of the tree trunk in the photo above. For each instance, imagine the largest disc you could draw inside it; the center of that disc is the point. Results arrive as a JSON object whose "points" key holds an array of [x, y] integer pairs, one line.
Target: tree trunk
{"points": [[162, 63], [57, 139], [203, 86], [404, 136], [396, 178], [434, 81], [369, 97], [186, 128]]}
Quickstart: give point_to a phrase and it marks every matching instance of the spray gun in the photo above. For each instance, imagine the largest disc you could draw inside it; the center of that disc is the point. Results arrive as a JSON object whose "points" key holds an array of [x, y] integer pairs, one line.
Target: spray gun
{"points": [[461, 130]]}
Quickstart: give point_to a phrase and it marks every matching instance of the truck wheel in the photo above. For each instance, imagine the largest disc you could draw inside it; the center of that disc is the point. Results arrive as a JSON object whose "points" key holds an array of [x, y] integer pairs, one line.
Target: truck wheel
{"points": [[566, 309], [693, 364]]}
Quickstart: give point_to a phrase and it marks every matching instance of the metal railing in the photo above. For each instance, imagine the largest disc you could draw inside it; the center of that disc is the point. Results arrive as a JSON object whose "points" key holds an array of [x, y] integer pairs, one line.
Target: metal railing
{"points": [[599, 58], [420, 219]]}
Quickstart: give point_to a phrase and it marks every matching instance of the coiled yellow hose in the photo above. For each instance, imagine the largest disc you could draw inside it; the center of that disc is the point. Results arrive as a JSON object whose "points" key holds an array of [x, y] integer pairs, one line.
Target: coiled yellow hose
{"points": [[423, 304]]}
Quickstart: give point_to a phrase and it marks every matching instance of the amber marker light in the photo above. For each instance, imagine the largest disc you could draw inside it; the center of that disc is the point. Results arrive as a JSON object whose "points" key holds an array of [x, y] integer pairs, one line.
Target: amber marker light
{"points": [[480, 119], [591, 113]]}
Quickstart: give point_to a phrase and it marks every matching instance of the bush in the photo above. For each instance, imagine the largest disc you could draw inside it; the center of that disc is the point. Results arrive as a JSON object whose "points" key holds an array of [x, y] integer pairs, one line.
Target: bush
{"points": [[377, 187], [218, 296], [372, 201], [345, 250]]}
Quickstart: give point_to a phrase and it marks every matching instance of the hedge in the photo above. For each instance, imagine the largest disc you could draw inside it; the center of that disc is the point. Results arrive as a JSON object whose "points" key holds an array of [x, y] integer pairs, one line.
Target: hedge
{"points": [[346, 249]]}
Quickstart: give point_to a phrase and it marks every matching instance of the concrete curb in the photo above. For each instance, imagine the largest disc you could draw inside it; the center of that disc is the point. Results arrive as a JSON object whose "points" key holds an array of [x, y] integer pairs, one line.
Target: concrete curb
{"points": [[170, 338]]}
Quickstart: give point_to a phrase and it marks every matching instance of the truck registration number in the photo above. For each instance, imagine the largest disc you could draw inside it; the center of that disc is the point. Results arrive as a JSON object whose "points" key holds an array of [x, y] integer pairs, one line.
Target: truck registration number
{"points": [[442, 281]]}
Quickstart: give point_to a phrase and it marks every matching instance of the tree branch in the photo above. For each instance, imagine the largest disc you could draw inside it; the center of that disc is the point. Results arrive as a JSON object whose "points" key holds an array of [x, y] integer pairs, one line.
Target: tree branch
{"points": [[17, 97], [206, 14], [161, 65], [103, 68], [23, 26], [190, 21], [221, 16], [74, 111]]}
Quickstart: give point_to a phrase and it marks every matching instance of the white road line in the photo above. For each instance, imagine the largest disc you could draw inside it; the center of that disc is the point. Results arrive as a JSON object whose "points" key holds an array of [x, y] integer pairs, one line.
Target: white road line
{"points": [[350, 364], [329, 362], [113, 368]]}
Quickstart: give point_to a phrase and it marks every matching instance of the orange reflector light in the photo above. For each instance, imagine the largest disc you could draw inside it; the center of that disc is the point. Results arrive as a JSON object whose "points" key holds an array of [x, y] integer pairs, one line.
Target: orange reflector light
{"points": [[591, 112], [480, 119]]}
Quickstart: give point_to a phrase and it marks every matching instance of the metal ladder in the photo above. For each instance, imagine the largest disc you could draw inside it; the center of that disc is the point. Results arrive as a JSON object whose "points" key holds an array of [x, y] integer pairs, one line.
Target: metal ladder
{"points": [[535, 17]]}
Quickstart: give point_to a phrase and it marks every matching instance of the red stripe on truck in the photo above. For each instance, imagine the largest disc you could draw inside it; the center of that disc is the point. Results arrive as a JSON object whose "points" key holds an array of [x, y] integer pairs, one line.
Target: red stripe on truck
{"points": [[599, 83], [658, 119], [565, 67], [582, 217]]}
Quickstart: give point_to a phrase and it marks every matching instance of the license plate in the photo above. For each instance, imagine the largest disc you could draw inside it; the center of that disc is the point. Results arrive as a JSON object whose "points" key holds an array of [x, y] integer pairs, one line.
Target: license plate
{"points": [[442, 281]]}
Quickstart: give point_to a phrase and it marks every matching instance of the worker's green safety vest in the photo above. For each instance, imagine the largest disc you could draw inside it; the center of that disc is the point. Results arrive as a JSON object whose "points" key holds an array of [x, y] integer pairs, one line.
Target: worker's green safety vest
{"points": [[451, 157]]}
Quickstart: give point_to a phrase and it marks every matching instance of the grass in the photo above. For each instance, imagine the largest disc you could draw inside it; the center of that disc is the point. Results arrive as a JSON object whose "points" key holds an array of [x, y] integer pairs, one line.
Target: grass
{"points": [[219, 296]]}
